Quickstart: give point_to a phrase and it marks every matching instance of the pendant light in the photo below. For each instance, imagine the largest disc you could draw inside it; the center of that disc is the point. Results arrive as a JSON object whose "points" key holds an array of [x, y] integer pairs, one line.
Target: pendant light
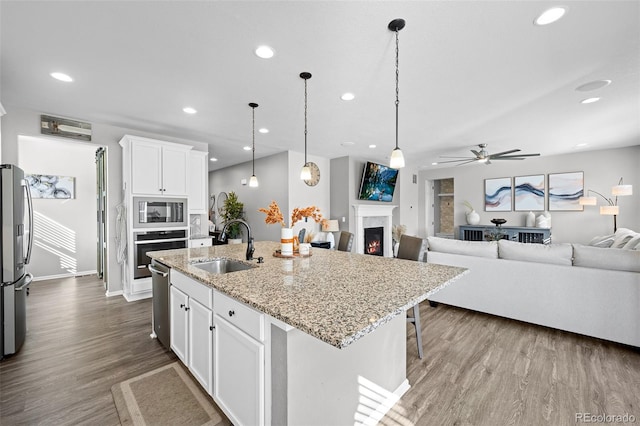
{"points": [[305, 173], [397, 159], [253, 182]]}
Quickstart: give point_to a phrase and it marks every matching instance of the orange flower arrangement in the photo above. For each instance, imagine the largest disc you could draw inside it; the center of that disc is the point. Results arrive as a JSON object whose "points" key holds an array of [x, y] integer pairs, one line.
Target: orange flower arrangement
{"points": [[274, 215]]}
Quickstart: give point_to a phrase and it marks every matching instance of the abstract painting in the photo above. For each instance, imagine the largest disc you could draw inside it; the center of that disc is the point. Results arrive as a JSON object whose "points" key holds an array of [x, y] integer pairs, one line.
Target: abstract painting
{"points": [[497, 195], [49, 186], [565, 189], [528, 193]]}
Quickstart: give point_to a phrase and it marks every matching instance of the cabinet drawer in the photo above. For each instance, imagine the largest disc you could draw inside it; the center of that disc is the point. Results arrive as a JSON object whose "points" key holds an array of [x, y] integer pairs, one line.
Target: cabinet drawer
{"points": [[192, 288], [200, 242], [241, 315]]}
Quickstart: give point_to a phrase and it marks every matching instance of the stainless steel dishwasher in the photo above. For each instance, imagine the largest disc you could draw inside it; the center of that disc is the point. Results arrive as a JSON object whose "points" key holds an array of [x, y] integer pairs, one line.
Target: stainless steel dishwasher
{"points": [[160, 310]]}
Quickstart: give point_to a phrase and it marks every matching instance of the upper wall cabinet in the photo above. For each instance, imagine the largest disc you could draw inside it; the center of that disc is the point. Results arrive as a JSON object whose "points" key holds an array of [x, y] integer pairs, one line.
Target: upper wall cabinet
{"points": [[155, 167], [198, 176]]}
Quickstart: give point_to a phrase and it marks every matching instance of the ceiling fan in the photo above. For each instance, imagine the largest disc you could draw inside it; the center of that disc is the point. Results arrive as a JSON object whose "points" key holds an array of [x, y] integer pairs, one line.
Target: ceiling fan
{"points": [[483, 156]]}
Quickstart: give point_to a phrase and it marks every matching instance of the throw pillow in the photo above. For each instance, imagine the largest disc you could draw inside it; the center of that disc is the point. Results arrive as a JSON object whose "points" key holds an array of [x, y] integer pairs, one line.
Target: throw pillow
{"points": [[602, 241], [469, 248], [558, 254], [622, 237], [633, 243]]}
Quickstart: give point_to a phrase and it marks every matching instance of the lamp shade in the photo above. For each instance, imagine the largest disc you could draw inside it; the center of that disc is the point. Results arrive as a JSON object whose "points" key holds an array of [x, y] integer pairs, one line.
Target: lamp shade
{"points": [[305, 173], [587, 201], [609, 210], [622, 190], [253, 182], [397, 159], [331, 226]]}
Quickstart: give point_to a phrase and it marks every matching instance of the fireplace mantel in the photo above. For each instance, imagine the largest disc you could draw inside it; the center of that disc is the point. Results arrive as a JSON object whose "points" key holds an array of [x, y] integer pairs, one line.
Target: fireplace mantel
{"points": [[372, 210]]}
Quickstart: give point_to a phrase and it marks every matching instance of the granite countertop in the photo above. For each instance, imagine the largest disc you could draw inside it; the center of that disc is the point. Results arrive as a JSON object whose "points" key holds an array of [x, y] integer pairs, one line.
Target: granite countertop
{"points": [[335, 296]]}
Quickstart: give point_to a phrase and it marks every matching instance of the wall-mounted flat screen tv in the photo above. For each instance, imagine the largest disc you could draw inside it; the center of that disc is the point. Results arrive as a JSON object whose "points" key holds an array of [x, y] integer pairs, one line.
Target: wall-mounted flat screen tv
{"points": [[378, 182]]}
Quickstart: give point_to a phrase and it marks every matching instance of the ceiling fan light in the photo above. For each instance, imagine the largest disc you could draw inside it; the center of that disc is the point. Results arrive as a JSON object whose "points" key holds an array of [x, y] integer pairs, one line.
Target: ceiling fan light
{"points": [[305, 173], [587, 201], [253, 181], [397, 159]]}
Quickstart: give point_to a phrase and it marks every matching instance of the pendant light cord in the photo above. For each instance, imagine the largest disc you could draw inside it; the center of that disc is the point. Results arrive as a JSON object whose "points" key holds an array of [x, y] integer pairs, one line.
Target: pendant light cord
{"points": [[397, 83], [305, 121], [253, 141]]}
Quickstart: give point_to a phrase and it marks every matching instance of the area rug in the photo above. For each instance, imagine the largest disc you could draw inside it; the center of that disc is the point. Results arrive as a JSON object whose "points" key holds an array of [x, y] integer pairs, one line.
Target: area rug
{"points": [[165, 396]]}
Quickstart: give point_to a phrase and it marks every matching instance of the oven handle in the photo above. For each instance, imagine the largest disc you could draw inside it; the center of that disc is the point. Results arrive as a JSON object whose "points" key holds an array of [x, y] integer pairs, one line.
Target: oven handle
{"points": [[169, 240]]}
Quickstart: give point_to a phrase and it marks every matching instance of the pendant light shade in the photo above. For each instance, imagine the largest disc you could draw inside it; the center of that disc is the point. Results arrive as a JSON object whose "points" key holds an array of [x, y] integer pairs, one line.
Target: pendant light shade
{"points": [[253, 181], [397, 159], [305, 173]]}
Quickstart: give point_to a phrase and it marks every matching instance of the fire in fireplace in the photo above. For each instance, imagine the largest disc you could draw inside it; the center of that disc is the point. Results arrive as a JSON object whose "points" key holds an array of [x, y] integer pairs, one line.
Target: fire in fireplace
{"points": [[374, 241]]}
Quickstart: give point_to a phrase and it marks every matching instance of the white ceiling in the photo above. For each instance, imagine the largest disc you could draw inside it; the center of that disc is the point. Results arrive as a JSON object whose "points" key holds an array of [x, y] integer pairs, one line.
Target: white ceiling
{"points": [[470, 72]]}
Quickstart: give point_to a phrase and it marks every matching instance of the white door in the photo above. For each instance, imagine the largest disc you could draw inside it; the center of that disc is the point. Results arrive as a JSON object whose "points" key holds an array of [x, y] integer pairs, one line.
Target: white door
{"points": [[179, 323], [174, 171], [239, 373], [201, 344]]}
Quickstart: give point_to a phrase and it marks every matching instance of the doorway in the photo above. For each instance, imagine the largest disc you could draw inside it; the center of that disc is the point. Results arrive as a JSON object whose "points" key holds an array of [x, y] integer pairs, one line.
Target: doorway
{"points": [[101, 207], [442, 204]]}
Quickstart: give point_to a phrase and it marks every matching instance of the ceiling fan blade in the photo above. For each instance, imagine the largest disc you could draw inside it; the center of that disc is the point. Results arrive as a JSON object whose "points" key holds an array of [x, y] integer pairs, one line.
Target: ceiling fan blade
{"points": [[476, 153], [511, 151], [508, 158], [462, 158], [455, 161], [516, 156], [467, 162]]}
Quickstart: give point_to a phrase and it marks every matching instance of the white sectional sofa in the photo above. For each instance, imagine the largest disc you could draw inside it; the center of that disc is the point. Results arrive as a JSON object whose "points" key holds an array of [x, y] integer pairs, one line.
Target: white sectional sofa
{"points": [[583, 289]]}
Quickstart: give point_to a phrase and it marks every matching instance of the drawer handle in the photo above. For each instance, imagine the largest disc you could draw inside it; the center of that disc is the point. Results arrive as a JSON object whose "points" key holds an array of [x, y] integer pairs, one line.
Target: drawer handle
{"points": [[186, 308], [181, 305], [211, 327], [232, 313]]}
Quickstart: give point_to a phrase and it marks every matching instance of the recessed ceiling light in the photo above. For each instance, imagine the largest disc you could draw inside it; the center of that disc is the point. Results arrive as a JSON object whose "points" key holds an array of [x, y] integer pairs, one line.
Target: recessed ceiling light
{"points": [[372, 146], [348, 143], [189, 110], [593, 85], [264, 52], [348, 97], [263, 130], [581, 145], [61, 76], [550, 16], [589, 100], [246, 148], [434, 164], [213, 159]]}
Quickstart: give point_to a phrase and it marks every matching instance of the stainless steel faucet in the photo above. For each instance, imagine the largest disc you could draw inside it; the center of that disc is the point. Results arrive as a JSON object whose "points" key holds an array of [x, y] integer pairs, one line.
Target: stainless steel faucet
{"points": [[250, 248]]}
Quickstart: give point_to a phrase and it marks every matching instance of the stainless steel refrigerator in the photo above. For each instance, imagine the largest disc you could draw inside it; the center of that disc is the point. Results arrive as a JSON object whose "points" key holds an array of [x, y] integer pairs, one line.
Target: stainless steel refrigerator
{"points": [[15, 252]]}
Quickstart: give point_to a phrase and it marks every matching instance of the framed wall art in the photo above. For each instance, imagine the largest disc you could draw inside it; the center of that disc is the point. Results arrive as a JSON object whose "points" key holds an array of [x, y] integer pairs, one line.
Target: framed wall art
{"points": [[529, 193], [565, 189], [497, 195], [50, 186]]}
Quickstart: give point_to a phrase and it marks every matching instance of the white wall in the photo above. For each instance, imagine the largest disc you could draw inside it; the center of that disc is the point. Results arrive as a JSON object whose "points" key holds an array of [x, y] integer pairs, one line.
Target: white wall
{"points": [[64, 230], [602, 169], [409, 196], [26, 122], [301, 195]]}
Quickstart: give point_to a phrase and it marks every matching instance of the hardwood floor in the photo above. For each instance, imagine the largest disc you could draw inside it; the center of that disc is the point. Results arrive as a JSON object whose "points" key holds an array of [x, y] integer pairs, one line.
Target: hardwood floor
{"points": [[477, 370]]}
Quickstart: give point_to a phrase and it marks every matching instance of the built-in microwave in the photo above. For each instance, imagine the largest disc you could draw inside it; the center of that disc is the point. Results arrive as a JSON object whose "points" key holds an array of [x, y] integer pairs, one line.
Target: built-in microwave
{"points": [[159, 212]]}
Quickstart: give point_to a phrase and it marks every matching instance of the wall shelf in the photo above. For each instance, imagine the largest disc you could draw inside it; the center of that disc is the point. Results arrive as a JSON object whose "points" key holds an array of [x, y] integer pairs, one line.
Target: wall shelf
{"points": [[521, 234]]}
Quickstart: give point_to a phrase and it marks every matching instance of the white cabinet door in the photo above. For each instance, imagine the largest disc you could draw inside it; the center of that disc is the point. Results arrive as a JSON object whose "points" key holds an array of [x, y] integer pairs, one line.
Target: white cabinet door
{"points": [[179, 323], [146, 168], [198, 182], [174, 171], [239, 373], [201, 344]]}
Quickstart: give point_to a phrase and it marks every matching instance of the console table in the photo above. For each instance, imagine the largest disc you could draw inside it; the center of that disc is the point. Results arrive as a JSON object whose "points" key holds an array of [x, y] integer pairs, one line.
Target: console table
{"points": [[521, 234]]}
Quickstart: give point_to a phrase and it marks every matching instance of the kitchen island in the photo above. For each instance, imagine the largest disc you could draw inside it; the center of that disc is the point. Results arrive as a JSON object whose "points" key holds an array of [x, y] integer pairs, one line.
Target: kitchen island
{"points": [[323, 338]]}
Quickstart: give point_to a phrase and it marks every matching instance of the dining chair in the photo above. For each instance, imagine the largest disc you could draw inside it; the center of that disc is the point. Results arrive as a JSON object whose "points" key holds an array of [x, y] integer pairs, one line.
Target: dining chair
{"points": [[412, 248], [345, 243]]}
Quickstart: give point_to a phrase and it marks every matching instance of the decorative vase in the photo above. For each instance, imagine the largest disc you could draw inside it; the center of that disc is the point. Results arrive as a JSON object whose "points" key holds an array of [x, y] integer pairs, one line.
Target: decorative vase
{"points": [[530, 221], [548, 216], [286, 241], [473, 218]]}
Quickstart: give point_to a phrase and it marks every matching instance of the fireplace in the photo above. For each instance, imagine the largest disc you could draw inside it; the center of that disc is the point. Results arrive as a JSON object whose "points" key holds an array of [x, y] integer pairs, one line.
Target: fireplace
{"points": [[374, 241], [370, 216]]}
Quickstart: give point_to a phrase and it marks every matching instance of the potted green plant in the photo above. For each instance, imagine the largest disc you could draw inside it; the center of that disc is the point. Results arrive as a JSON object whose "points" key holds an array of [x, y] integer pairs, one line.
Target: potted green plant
{"points": [[233, 209]]}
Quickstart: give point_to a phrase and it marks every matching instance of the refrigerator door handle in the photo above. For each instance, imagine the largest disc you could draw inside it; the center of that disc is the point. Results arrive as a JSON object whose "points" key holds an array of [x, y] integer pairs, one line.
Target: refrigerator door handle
{"points": [[27, 258], [27, 281]]}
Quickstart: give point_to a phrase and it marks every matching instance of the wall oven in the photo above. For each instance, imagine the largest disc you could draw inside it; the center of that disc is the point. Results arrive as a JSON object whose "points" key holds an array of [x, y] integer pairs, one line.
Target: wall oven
{"points": [[146, 241], [159, 212]]}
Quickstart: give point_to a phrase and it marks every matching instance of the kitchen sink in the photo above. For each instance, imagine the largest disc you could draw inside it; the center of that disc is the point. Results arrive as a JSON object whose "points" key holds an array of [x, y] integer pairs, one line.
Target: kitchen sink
{"points": [[222, 265]]}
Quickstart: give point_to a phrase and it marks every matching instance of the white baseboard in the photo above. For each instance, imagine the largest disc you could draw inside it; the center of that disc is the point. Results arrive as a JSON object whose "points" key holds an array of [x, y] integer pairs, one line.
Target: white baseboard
{"points": [[137, 296], [113, 293], [58, 276]]}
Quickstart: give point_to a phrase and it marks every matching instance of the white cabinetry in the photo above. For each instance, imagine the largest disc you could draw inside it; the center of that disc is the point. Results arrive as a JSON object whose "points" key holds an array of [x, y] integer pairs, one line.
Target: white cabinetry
{"points": [[200, 242], [192, 327], [239, 370], [198, 176], [157, 167]]}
